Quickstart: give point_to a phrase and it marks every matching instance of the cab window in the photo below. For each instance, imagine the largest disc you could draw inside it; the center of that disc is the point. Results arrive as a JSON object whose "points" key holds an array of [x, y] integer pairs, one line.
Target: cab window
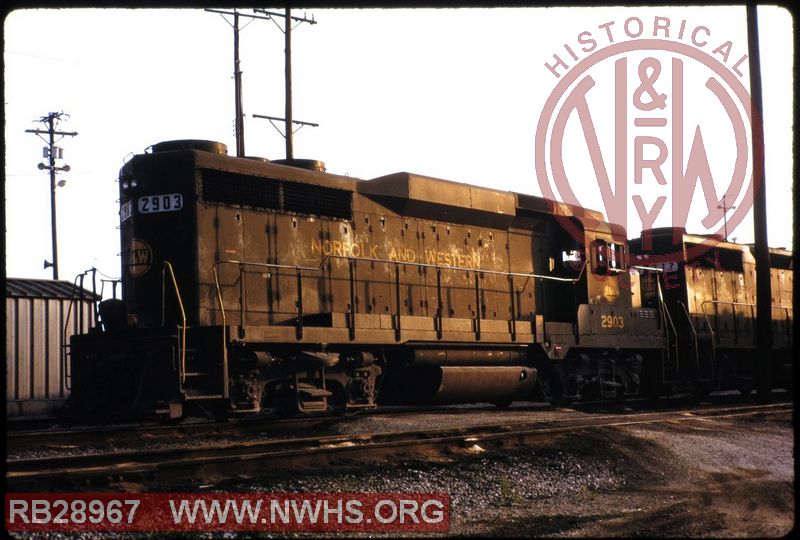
{"points": [[608, 257]]}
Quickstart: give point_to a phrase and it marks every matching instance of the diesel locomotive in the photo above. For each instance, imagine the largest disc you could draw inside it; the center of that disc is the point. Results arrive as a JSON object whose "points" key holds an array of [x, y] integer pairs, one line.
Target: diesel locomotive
{"points": [[708, 293], [252, 285]]}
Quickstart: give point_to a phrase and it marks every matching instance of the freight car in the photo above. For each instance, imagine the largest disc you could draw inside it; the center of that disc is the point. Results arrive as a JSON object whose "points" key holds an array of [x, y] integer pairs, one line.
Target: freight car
{"points": [[253, 285]]}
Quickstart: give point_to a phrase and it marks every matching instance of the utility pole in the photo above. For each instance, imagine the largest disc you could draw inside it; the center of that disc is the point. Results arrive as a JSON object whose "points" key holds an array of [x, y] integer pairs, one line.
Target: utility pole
{"points": [[237, 75], [725, 209], [763, 360], [287, 65], [237, 83], [51, 121], [288, 119]]}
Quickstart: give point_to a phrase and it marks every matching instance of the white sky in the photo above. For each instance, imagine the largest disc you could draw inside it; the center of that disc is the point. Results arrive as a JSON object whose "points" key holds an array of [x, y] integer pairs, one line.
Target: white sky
{"points": [[454, 94]]}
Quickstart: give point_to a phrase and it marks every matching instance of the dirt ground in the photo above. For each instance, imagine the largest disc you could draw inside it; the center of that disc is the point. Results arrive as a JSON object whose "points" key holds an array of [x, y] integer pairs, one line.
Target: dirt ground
{"points": [[694, 478], [710, 478]]}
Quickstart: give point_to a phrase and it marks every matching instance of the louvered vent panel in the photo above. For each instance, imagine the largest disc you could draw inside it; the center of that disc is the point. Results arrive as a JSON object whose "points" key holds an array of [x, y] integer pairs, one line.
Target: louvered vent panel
{"points": [[321, 201], [230, 188]]}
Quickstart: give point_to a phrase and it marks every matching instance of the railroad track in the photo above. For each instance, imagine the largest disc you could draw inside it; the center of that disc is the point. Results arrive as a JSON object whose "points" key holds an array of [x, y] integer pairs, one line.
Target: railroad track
{"points": [[43, 434], [253, 457], [61, 437], [55, 437]]}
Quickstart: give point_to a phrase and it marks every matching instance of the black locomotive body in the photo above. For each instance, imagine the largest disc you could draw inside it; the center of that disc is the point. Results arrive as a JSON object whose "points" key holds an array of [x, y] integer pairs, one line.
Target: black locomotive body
{"points": [[250, 284]]}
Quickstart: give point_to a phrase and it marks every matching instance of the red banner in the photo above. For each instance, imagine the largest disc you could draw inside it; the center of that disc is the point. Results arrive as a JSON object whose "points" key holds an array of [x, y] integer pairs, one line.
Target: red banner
{"points": [[168, 512]]}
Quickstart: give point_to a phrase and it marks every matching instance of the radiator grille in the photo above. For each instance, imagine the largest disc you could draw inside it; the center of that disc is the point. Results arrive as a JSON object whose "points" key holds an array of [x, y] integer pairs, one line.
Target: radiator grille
{"points": [[229, 188], [258, 192], [308, 199]]}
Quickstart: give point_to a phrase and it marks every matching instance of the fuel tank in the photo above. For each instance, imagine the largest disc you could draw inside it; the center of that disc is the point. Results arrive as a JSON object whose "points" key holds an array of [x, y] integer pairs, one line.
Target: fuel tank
{"points": [[468, 357], [457, 384]]}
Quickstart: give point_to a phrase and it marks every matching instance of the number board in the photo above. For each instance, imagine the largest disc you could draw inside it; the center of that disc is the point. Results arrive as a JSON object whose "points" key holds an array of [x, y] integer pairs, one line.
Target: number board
{"points": [[612, 321], [171, 202], [125, 211]]}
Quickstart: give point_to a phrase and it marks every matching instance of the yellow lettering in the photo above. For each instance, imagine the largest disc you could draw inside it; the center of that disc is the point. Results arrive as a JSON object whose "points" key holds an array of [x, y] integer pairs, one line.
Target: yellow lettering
{"points": [[316, 246]]}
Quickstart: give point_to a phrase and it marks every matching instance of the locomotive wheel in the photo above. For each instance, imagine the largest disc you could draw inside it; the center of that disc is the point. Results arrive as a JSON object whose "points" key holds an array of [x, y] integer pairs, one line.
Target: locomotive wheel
{"points": [[552, 388], [338, 400], [543, 388]]}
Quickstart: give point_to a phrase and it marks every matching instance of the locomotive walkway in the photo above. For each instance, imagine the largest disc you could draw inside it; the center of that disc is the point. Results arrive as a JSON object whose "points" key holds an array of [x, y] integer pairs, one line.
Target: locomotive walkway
{"points": [[210, 461]]}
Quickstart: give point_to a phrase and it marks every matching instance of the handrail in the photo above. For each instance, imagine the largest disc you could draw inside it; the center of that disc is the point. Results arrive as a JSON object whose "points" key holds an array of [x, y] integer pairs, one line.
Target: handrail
{"points": [[691, 324], [713, 341], [219, 293], [702, 306], [671, 322], [352, 261], [224, 336], [668, 319], [710, 330], [78, 322], [406, 263], [735, 323], [513, 307], [694, 336], [64, 345], [752, 312], [182, 326], [751, 306], [650, 268]]}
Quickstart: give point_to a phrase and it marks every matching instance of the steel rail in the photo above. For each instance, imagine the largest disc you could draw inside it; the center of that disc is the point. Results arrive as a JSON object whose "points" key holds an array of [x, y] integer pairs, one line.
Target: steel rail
{"points": [[44, 434], [254, 456], [48, 436], [58, 437]]}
